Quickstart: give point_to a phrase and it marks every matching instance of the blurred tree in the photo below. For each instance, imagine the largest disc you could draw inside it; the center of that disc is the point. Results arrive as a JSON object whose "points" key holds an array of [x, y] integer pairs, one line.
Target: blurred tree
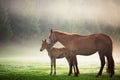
{"points": [[5, 26], [25, 27]]}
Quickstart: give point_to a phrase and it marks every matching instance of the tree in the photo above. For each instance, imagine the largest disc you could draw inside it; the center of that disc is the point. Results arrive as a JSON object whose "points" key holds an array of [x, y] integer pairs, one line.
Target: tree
{"points": [[5, 27]]}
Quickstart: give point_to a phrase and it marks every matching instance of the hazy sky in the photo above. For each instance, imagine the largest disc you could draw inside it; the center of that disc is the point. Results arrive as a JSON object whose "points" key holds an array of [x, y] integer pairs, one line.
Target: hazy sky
{"points": [[105, 11]]}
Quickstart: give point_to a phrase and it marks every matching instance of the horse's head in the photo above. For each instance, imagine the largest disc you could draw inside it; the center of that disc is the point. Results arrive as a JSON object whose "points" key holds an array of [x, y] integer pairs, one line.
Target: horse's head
{"points": [[52, 39], [44, 45]]}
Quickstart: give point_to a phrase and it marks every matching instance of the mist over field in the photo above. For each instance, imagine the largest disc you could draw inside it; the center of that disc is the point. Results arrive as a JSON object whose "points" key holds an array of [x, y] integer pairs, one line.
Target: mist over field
{"points": [[24, 23]]}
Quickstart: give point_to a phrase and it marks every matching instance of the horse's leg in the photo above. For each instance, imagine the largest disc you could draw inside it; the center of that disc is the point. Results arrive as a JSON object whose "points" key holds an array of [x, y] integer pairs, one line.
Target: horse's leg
{"points": [[68, 60], [54, 66], [70, 66], [76, 65], [102, 59], [52, 60]]}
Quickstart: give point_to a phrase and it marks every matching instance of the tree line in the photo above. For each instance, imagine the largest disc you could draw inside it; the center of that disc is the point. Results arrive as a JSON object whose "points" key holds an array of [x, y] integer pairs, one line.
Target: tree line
{"points": [[20, 27]]}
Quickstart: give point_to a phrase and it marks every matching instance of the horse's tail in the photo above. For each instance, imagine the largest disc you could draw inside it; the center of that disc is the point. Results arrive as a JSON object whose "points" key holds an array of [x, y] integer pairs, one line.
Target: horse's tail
{"points": [[110, 64]]}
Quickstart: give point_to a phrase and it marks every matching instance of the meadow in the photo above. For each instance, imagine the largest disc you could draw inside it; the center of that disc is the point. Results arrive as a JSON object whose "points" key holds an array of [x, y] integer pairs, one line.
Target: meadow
{"points": [[32, 70]]}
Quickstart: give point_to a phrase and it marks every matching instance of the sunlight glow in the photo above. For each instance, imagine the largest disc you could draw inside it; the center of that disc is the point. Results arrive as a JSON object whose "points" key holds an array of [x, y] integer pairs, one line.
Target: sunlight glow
{"points": [[99, 10], [107, 13]]}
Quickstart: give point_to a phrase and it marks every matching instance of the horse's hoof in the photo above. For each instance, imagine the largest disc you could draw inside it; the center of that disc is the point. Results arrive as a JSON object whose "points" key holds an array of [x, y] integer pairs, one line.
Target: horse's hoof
{"points": [[69, 74], [75, 74], [54, 73], [50, 74], [110, 75], [98, 76]]}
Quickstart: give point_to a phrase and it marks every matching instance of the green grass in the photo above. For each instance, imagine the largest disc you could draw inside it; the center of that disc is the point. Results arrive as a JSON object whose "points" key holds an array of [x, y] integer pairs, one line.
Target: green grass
{"points": [[16, 70]]}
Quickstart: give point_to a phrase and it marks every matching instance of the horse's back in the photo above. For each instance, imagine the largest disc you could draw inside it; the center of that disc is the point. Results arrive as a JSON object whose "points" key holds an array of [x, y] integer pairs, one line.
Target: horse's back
{"points": [[87, 45], [103, 42]]}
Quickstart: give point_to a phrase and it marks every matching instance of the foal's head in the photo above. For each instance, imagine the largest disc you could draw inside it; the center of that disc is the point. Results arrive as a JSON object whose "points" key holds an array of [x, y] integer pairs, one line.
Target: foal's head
{"points": [[44, 45]]}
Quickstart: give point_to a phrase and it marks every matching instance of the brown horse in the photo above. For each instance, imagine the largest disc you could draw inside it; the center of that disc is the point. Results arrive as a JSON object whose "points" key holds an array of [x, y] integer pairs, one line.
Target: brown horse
{"points": [[56, 53], [86, 45]]}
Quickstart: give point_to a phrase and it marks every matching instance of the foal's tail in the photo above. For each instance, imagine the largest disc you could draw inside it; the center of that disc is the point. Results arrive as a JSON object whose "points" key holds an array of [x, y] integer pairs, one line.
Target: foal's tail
{"points": [[110, 64]]}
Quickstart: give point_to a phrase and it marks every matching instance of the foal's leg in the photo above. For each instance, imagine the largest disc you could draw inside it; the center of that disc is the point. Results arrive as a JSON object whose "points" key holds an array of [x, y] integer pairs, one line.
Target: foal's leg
{"points": [[102, 59], [52, 62], [54, 66]]}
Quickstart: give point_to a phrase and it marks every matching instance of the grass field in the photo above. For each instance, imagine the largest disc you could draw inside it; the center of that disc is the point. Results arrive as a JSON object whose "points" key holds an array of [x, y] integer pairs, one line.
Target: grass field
{"points": [[20, 70]]}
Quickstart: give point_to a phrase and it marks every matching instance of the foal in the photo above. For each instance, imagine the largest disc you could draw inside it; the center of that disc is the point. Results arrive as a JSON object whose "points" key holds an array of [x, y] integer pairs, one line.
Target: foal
{"points": [[55, 53]]}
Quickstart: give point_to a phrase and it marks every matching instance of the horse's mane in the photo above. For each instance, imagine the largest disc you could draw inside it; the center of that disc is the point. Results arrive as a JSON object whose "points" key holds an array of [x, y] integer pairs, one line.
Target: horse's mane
{"points": [[65, 33], [60, 32]]}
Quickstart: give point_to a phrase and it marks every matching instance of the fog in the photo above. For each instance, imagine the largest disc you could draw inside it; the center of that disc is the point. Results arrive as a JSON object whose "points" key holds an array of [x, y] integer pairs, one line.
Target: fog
{"points": [[31, 20], [105, 11]]}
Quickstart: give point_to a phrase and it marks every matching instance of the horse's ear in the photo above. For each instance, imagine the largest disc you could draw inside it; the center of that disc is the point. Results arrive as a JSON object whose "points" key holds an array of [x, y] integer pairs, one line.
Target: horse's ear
{"points": [[45, 40], [51, 30]]}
